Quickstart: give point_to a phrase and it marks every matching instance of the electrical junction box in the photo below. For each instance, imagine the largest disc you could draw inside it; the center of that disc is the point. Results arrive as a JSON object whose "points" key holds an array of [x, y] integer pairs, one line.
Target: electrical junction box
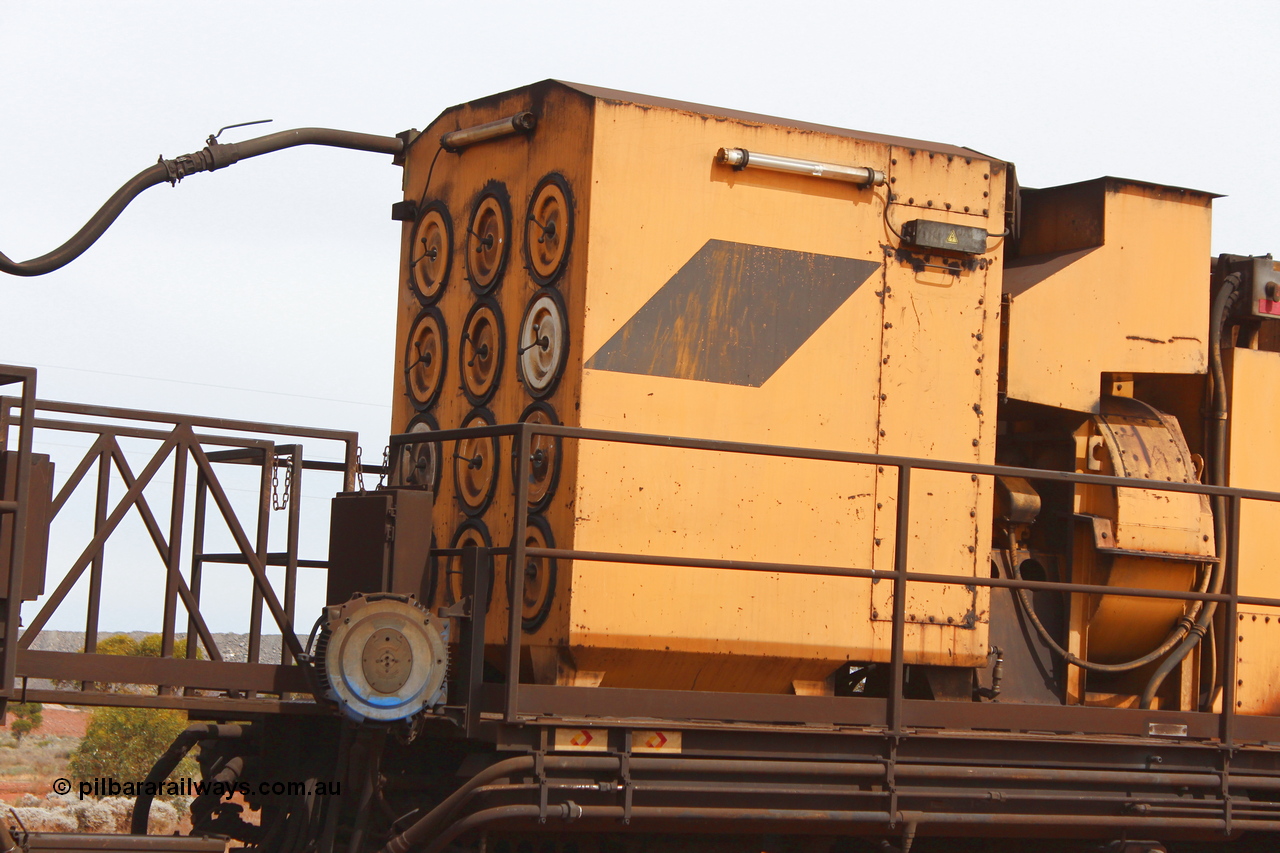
{"points": [[945, 236], [1261, 286], [380, 541]]}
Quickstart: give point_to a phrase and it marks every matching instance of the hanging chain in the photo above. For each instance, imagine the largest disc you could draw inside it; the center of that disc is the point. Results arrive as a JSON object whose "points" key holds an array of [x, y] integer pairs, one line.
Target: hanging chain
{"points": [[279, 499], [386, 466], [359, 470]]}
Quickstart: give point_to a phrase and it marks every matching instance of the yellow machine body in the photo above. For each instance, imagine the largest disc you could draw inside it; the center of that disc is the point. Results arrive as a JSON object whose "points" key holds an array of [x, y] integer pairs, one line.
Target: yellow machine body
{"points": [[1255, 433], [746, 305], [1111, 278]]}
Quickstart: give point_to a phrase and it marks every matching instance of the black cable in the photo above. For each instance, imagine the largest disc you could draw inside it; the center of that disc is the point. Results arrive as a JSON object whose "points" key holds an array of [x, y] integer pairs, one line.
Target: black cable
{"points": [[887, 224], [1224, 299], [1184, 625], [422, 200]]}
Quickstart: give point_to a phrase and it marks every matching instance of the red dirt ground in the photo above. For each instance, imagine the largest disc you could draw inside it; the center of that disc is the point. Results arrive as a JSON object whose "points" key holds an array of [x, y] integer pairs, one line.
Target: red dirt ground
{"points": [[58, 720]]}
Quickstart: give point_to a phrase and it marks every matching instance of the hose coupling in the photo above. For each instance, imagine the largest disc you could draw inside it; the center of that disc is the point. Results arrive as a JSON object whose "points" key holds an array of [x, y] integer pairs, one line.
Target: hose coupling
{"points": [[209, 159]]}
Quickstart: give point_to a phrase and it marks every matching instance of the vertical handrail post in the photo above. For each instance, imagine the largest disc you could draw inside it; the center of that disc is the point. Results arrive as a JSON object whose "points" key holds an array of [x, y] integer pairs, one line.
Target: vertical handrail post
{"points": [[1231, 626], [477, 574], [294, 496], [177, 510], [515, 568], [260, 549], [18, 544], [197, 563], [897, 648], [94, 606], [1231, 585], [351, 465]]}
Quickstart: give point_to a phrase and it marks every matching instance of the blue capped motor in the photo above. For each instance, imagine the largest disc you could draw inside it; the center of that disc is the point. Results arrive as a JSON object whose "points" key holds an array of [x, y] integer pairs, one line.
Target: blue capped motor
{"points": [[384, 657]]}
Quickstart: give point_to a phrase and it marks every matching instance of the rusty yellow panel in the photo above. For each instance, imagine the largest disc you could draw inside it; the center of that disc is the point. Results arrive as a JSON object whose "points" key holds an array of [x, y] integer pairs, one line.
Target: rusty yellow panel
{"points": [[760, 384], [1146, 444], [1127, 295], [742, 305], [1135, 537], [940, 343], [927, 183], [455, 185], [832, 385], [1254, 376], [1258, 662]]}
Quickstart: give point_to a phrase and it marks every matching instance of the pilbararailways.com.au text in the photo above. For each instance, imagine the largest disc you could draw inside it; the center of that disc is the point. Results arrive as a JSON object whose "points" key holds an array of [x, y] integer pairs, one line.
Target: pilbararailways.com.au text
{"points": [[110, 787]]}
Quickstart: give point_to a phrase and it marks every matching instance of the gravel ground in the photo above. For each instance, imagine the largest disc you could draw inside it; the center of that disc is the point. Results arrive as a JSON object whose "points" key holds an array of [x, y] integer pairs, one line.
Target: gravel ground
{"points": [[234, 647]]}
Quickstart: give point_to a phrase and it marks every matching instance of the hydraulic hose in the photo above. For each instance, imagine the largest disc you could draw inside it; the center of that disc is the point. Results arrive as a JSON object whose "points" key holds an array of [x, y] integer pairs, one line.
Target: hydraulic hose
{"points": [[1222, 302], [1184, 626], [166, 763], [212, 157]]}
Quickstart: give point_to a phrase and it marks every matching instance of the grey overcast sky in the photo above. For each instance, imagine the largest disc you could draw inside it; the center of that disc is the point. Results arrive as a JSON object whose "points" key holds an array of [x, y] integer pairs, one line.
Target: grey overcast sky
{"points": [[266, 291]]}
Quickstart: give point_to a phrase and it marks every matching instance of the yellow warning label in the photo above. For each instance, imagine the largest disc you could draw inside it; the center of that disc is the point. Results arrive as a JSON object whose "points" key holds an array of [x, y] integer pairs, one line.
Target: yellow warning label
{"points": [[656, 741], [951, 238], [582, 740]]}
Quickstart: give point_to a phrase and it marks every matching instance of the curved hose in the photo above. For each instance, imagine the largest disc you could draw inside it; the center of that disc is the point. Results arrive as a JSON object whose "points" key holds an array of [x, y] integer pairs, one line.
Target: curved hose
{"points": [[92, 230], [1183, 627], [1222, 302], [214, 156], [165, 764]]}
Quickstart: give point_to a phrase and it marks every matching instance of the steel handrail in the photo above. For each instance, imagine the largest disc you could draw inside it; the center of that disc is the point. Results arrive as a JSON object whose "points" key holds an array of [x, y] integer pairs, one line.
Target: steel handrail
{"points": [[900, 575]]}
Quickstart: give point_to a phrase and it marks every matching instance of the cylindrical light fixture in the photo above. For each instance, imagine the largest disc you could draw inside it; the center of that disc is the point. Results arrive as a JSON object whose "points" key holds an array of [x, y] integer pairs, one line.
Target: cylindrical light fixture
{"points": [[456, 140], [741, 158]]}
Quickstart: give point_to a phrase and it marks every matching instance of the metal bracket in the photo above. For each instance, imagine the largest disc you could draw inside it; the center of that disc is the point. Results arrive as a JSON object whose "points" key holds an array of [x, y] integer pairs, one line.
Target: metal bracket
{"points": [[460, 609], [624, 770], [540, 771], [477, 569]]}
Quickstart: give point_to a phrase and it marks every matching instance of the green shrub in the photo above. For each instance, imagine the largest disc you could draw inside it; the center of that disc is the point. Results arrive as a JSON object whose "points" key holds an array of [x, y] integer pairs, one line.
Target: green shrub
{"points": [[118, 644], [27, 717], [123, 744]]}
